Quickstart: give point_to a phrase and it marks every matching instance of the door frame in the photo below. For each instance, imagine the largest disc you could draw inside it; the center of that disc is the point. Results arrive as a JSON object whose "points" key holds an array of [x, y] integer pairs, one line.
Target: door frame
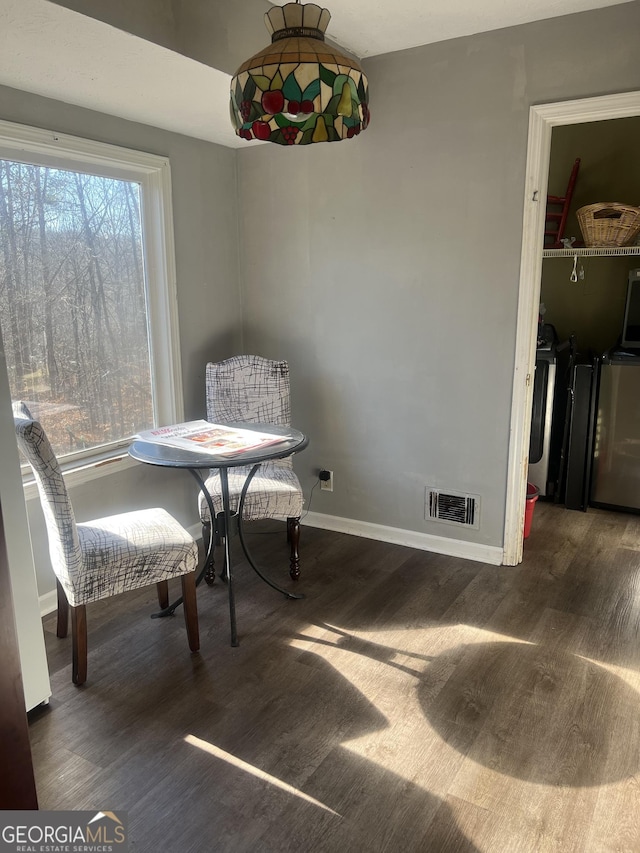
{"points": [[542, 119]]}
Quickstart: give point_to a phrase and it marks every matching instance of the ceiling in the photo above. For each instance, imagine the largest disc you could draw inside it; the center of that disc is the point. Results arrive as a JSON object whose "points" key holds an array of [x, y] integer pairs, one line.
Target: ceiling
{"points": [[52, 51], [372, 27]]}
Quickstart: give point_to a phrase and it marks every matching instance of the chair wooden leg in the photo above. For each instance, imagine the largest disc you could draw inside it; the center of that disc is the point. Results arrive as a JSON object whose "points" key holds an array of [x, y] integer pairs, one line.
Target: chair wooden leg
{"points": [[293, 537], [163, 594], [63, 612], [190, 606], [79, 644]]}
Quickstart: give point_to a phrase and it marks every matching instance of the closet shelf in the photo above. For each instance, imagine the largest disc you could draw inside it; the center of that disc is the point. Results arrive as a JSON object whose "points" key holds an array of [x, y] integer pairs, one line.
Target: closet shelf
{"points": [[593, 251]]}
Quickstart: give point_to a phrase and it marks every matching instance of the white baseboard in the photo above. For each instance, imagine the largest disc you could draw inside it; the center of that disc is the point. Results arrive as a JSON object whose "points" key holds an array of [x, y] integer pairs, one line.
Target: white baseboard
{"points": [[48, 603], [196, 531], [412, 538]]}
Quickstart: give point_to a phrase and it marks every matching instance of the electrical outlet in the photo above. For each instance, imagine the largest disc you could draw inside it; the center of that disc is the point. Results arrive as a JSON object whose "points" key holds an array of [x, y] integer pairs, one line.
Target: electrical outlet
{"points": [[326, 480]]}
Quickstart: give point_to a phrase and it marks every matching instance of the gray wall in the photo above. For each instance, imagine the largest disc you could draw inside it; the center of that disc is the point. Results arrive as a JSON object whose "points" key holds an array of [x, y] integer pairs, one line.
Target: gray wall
{"points": [[153, 20], [386, 268], [205, 221], [221, 33]]}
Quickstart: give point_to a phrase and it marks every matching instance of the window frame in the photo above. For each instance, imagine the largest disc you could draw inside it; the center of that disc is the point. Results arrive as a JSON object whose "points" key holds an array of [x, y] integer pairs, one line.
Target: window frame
{"points": [[26, 144]]}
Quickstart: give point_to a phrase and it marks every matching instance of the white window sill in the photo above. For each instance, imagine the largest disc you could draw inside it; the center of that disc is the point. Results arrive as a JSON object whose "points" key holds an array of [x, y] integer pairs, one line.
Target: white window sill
{"points": [[77, 473]]}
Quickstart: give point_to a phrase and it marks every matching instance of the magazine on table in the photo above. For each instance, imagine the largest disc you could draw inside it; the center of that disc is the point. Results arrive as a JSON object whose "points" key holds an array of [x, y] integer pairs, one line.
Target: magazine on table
{"points": [[212, 439]]}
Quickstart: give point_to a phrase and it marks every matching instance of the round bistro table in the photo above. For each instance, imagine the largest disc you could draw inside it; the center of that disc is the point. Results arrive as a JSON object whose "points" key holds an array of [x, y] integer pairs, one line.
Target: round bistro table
{"points": [[165, 456]]}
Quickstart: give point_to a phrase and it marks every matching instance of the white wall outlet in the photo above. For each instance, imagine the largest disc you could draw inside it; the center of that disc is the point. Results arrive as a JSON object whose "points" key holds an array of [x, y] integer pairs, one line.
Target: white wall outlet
{"points": [[326, 485]]}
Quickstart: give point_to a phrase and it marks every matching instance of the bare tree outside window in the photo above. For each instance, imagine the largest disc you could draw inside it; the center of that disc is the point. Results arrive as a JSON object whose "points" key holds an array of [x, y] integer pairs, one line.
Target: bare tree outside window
{"points": [[72, 303]]}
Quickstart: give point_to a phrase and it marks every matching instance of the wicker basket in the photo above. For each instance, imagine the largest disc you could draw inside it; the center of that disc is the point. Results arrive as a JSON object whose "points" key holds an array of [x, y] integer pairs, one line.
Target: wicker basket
{"points": [[609, 224]]}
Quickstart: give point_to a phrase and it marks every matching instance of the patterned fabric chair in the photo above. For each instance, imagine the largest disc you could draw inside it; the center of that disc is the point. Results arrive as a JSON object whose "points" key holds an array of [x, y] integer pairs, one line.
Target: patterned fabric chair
{"points": [[256, 390], [108, 556]]}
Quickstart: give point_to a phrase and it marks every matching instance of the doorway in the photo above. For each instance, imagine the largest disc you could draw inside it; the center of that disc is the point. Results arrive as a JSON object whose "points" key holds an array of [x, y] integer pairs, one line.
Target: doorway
{"points": [[542, 119]]}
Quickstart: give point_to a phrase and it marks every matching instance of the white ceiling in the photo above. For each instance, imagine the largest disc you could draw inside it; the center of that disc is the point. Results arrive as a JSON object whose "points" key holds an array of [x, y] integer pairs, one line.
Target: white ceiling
{"points": [[371, 27], [52, 51]]}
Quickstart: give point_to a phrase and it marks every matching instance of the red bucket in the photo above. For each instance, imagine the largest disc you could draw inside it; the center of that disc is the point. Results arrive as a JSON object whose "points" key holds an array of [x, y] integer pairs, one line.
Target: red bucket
{"points": [[530, 503]]}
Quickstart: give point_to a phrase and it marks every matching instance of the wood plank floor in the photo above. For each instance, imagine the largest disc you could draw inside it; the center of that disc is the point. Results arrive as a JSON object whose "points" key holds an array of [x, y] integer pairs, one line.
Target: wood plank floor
{"points": [[411, 702]]}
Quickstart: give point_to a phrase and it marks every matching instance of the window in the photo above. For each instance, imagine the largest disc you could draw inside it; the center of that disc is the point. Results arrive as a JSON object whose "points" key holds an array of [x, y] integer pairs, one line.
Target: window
{"points": [[87, 289]]}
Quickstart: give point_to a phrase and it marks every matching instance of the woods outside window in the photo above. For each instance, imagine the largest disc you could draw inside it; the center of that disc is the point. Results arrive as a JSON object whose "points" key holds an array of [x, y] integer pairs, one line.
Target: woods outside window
{"points": [[87, 289]]}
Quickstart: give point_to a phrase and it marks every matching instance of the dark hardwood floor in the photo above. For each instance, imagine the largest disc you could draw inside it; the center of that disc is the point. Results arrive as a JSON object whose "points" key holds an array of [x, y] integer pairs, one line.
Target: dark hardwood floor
{"points": [[412, 702]]}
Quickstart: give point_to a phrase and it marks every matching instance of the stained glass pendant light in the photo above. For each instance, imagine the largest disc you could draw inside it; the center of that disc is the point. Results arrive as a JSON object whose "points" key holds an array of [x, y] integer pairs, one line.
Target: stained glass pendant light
{"points": [[299, 90]]}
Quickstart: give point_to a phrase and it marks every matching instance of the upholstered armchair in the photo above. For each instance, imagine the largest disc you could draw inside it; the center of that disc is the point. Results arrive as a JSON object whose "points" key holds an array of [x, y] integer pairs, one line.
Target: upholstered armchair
{"points": [[102, 558], [255, 390]]}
